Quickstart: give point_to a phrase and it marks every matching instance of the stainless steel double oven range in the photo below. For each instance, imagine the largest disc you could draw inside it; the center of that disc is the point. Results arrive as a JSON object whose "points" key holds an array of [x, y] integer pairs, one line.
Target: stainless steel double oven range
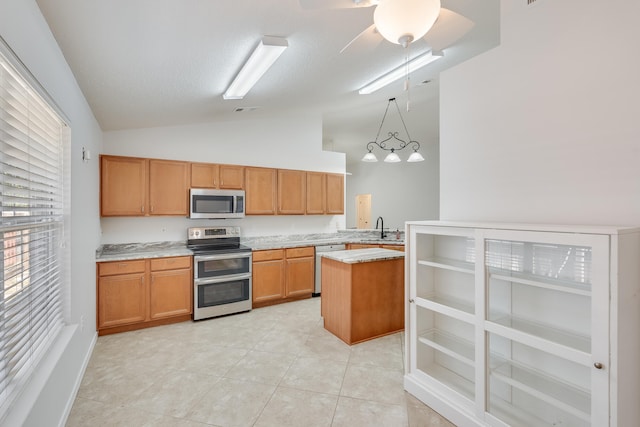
{"points": [[221, 272]]}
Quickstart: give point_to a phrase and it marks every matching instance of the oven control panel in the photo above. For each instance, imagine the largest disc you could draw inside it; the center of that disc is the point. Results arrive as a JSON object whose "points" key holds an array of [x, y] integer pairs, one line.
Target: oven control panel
{"points": [[196, 233]]}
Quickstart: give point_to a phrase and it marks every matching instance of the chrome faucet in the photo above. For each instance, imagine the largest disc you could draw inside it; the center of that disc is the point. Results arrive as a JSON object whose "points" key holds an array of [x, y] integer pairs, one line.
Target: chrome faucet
{"points": [[381, 222]]}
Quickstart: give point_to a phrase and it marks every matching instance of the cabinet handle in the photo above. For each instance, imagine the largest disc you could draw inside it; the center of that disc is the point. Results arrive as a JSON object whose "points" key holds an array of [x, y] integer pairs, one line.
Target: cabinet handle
{"points": [[142, 209], [151, 210], [598, 365]]}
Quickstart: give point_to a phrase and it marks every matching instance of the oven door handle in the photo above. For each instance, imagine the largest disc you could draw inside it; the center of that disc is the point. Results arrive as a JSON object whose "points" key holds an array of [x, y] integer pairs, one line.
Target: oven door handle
{"points": [[198, 258], [222, 279]]}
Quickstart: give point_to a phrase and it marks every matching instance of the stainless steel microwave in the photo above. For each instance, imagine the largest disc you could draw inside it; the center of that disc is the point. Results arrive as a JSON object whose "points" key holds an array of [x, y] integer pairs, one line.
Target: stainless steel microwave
{"points": [[216, 204]]}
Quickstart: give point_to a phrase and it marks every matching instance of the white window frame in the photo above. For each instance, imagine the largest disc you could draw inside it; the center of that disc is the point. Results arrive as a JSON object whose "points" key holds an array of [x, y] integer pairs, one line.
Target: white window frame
{"points": [[35, 205]]}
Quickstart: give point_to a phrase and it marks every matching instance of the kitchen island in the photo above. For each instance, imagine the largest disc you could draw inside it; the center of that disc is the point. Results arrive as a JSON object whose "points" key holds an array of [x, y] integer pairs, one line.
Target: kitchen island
{"points": [[363, 293]]}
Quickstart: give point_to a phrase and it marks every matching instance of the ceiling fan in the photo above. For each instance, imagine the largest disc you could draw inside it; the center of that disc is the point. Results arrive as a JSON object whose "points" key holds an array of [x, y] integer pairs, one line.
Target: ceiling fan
{"points": [[443, 26]]}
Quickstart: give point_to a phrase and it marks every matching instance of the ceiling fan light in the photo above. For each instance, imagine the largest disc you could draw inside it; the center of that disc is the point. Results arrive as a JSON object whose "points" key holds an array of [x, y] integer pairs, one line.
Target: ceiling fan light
{"points": [[392, 158], [369, 157], [415, 157], [397, 19]]}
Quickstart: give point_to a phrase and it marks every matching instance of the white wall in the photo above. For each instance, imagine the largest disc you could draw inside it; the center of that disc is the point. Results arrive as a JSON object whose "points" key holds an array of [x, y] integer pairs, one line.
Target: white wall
{"points": [[544, 128], [399, 191], [286, 142], [51, 392]]}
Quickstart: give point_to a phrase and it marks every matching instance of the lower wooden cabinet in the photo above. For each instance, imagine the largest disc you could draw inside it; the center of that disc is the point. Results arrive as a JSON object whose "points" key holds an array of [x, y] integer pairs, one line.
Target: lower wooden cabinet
{"points": [[142, 293], [282, 275]]}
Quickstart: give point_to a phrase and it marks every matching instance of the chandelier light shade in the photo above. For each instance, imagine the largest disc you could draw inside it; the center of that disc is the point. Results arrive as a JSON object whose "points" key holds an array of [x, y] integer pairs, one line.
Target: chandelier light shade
{"points": [[403, 21], [393, 157]]}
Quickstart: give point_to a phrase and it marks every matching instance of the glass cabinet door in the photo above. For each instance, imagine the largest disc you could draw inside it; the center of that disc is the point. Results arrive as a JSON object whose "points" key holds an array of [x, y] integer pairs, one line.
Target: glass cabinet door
{"points": [[542, 338]]}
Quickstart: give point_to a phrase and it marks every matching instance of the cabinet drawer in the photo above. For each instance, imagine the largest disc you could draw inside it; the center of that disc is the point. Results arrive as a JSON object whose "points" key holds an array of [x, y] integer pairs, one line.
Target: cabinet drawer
{"points": [[300, 252], [172, 263], [120, 267], [268, 255]]}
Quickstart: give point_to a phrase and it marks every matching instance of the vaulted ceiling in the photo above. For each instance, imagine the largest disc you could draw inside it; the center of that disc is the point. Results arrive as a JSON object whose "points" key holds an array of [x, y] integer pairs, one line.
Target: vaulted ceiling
{"points": [[148, 63]]}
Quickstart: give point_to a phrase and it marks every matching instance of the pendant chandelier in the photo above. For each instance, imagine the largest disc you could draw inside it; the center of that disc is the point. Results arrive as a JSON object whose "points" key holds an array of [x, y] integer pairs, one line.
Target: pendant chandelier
{"points": [[393, 157]]}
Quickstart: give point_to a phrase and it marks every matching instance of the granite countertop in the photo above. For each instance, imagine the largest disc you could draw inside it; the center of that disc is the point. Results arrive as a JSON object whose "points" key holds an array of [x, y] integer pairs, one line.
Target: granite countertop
{"points": [[129, 251], [355, 256]]}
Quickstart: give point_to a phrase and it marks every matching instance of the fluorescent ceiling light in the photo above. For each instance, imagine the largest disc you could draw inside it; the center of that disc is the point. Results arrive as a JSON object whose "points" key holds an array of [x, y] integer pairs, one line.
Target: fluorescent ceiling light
{"points": [[415, 64], [268, 50]]}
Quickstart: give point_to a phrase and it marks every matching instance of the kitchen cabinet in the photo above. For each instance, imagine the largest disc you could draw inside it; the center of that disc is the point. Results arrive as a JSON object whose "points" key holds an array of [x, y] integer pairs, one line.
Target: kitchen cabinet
{"points": [[168, 188], [143, 293], [267, 276], [121, 293], [261, 189], [300, 271], [363, 300], [281, 275], [316, 193], [211, 175], [292, 192], [171, 287], [131, 186], [335, 194], [524, 325], [123, 186]]}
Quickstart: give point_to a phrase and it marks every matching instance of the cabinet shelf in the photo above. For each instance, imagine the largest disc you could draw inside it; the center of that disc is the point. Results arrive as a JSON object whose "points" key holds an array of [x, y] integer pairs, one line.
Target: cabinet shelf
{"points": [[565, 397], [538, 331], [462, 310], [450, 345], [571, 287], [448, 264], [451, 379]]}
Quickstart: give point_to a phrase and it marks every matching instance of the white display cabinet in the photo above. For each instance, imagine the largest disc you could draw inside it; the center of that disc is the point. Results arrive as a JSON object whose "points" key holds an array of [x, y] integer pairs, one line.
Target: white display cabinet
{"points": [[519, 325]]}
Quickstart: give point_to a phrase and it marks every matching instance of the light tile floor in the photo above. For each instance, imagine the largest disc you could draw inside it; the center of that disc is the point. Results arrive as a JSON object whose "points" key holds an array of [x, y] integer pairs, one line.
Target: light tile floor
{"points": [[275, 366]]}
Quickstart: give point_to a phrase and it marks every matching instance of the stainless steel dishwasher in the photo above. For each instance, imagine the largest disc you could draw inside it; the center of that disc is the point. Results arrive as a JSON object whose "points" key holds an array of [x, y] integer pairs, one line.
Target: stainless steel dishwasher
{"points": [[319, 250]]}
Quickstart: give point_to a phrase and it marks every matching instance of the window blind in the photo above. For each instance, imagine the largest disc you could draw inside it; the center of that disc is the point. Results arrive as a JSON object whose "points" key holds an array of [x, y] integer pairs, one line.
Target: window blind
{"points": [[32, 139]]}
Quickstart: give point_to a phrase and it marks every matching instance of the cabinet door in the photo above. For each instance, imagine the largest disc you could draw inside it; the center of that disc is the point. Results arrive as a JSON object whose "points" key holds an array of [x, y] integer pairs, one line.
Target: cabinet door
{"points": [[292, 190], [171, 293], [393, 247], [335, 194], [547, 326], [168, 187], [121, 300], [232, 177], [268, 280], [300, 276], [316, 193], [204, 175], [260, 191], [123, 186]]}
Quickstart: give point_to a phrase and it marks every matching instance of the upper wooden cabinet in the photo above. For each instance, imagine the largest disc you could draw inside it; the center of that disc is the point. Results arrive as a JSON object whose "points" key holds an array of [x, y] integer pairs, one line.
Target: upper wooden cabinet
{"points": [[260, 187], [168, 187], [316, 193], [131, 186], [292, 190], [211, 175], [123, 186], [335, 194]]}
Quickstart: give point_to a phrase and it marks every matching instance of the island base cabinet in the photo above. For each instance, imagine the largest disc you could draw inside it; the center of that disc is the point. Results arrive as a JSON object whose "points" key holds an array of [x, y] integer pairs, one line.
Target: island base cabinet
{"points": [[143, 293], [362, 301], [524, 325]]}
